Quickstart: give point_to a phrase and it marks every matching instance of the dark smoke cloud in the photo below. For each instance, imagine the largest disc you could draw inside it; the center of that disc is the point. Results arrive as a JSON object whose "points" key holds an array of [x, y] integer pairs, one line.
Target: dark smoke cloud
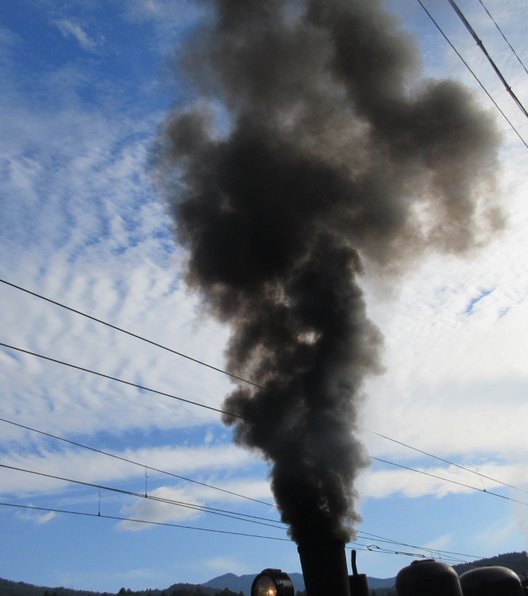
{"points": [[335, 153]]}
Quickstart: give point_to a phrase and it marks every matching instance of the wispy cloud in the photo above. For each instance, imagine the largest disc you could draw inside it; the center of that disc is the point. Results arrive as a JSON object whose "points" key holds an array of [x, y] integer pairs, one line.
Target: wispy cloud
{"points": [[8, 41], [440, 481], [38, 518], [220, 564], [74, 30], [180, 510], [95, 468]]}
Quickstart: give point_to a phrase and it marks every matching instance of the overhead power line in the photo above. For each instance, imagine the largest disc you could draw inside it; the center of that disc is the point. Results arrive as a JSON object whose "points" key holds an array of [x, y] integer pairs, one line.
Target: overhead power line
{"points": [[438, 551], [254, 519], [504, 36], [466, 64], [483, 476], [135, 463], [238, 416], [142, 521], [229, 514], [126, 332], [224, 512], [446, 461], [360, 533], [478, 41], [444, 555], [450, 480], [241, 417], [239, 495], [118, 380]]}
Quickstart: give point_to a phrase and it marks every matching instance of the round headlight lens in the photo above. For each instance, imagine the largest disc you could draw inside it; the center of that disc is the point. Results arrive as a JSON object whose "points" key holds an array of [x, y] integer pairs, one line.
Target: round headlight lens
{"points": [[264, 586], [272, 582]]}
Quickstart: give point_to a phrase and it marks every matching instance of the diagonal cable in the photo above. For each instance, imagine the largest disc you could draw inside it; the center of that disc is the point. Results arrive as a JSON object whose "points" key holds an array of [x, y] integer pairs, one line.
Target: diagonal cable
{"points": [[478, 41], [118, 380], [504, 36], [480, 83], [129, 333], [136, 463]]}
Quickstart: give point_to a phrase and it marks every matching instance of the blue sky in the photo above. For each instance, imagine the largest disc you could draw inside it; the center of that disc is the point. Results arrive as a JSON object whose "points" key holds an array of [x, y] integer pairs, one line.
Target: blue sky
{"points": [[85, 87]]}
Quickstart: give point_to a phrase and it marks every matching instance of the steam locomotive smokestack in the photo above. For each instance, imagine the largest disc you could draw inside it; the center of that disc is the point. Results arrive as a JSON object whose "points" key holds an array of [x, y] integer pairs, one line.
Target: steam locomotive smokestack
{"points": [[326, 153], [324, 568]]}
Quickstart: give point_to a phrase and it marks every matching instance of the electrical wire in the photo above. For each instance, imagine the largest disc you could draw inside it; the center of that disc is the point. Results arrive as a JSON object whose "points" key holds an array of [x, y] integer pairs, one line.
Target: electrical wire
{"points": [[480, 44], [136, 463], [40, 296], [504, 36], [213, 510], [126, 332], [360, 533], [238, 416], [357, 546], [363, 534], [142, 521], [446, 461], [99, 515], [466, 64], [450, 480], [118, 380]]}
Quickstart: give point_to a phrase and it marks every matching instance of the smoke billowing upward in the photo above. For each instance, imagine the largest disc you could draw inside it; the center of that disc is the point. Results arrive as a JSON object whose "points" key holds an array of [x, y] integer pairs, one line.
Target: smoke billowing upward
{"points": [[335, 153]]}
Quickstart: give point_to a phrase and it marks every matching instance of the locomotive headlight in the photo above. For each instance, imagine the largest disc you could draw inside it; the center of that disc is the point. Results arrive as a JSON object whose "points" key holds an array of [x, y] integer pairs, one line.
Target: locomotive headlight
{"points": [[272, 582]]}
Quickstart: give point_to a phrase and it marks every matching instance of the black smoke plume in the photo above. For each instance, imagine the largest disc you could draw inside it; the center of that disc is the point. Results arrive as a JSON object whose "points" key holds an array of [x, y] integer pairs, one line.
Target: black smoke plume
{"points": [[331, 153]]}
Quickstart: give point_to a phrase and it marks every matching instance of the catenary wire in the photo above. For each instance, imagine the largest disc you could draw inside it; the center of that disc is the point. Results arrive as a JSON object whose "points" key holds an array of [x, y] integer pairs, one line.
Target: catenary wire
{"points": [[224, 412], [466, 64], [478, 41], [154, 469], [240, 417], [239, 517], [446, 461], [213, 510], [76, 311], [142, 521], [450, 480], [504, 36], [357, 546], [230, 414], [360, 533], [136, 463], [129, 333], [118, 380]]}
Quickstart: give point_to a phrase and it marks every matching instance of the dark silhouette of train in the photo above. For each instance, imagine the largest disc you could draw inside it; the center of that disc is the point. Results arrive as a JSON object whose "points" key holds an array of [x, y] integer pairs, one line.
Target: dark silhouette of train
{"points": [[325, 573]]}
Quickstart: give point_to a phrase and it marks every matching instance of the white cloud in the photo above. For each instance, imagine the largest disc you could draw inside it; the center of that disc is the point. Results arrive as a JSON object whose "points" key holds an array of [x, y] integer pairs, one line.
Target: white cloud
{"points": [[98, 469], [441, 481], [47, 517], [8, 41], [442, 542], [498, 532], [72, 29], [40, 519], [158, 512], [220, 564]]}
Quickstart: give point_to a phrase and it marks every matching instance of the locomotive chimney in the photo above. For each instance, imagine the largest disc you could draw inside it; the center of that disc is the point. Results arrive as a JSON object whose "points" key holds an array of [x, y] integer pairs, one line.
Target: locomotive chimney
{"points": [[324, 568]]}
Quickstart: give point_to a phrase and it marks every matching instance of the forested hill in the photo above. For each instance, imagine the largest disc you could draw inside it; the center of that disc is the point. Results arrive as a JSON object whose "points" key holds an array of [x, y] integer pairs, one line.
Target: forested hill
{"points": [[10, 588], [517, 562]]}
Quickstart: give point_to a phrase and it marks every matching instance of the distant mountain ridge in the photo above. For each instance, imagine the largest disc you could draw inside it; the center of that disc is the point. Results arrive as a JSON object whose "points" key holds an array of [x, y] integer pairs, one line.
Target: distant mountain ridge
{"points": [[517, 562], [242, 583], [230, 584]]}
